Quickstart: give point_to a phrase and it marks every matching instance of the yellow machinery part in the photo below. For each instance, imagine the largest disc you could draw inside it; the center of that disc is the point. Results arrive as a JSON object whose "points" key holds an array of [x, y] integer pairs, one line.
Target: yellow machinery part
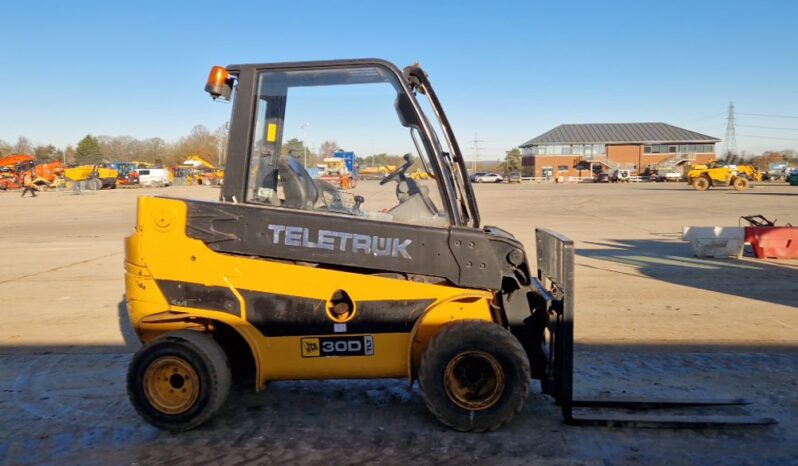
{"points": [[160, 250]]}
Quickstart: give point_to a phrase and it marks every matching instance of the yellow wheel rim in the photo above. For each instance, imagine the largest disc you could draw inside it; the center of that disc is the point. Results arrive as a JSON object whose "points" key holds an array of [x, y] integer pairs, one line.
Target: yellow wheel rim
{"points": [[474, 380], [171, 385]]}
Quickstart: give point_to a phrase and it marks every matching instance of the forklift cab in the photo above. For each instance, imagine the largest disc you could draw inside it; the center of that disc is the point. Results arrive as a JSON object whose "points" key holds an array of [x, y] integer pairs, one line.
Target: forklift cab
{"points": [[369, 103]]}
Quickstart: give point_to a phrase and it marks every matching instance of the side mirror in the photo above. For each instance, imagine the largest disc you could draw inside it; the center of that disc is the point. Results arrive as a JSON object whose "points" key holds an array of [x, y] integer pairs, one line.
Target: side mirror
{"points": [[404, 108], [220, 83]]}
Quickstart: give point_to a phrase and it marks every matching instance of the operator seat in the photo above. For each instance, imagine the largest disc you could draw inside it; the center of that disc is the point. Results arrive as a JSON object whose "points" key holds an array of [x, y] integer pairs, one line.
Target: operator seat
{"points": [[299, 188]]}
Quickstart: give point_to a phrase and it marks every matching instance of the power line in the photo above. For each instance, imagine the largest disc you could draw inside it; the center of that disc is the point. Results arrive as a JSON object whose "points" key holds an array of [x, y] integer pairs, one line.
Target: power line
{"points": [[768, 137], [714, 115], [769, 116], [769, 127]]}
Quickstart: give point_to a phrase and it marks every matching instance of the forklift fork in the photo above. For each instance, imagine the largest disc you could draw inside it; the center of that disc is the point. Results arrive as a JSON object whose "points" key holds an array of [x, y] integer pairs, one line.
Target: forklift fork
{"points": [[555, 264]]}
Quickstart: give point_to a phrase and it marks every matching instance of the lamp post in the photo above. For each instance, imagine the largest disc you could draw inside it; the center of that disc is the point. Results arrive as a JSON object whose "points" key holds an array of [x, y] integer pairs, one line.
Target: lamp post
{"points": [[304, 127], [223, 143]]}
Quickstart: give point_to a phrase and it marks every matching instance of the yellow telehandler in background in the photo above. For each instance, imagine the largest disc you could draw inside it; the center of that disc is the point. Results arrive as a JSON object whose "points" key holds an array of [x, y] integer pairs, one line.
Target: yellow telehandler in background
{"points": [[719, 173]]}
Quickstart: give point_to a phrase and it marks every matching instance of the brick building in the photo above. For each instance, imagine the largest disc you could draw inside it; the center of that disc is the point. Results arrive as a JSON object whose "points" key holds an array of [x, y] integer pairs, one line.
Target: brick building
{"points": [[581, 150]]}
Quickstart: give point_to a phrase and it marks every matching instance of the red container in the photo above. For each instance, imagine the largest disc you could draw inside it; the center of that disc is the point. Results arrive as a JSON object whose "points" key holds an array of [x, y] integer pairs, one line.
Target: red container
{"points": [[773, 242]]}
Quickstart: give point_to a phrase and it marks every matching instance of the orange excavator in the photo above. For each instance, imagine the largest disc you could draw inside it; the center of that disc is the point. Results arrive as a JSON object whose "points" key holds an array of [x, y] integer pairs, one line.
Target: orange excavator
{"points": [[13, 160], [8, 172], [14, 167]]}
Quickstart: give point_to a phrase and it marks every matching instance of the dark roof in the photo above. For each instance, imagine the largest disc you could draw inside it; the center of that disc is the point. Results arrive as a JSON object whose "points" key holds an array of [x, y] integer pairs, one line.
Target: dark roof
{"points": [[611, 133]]}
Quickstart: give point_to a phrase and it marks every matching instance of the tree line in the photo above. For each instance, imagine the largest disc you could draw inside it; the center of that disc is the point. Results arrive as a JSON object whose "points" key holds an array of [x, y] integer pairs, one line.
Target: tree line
{"points": [[762, 161], [207, 144], [511, 163], [212, 145]]}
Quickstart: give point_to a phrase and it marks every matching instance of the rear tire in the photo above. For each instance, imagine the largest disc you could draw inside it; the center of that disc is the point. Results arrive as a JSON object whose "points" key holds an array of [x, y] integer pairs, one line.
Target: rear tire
{"points": [[740, 183], [474, 376], [179, 380], [701, 183]]}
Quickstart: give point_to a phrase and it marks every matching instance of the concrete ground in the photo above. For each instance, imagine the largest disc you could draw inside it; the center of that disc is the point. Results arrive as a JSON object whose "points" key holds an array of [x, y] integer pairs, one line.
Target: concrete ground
{"points": [[671, 323]]}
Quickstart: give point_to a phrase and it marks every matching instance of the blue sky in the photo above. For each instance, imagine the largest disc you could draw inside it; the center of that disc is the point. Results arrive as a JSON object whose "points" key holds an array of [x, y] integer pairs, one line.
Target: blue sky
{"points": [[506, 71]]}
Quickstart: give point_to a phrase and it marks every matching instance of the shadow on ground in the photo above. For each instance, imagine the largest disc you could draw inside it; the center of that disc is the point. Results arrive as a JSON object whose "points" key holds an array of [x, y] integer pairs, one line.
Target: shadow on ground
{"points": [[128, 334], [62, 415], [766, 194], [672, 262]]}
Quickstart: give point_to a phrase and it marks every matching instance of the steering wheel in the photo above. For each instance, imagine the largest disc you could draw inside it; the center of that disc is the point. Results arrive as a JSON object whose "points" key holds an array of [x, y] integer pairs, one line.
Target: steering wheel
{"points": [[399, 172]]}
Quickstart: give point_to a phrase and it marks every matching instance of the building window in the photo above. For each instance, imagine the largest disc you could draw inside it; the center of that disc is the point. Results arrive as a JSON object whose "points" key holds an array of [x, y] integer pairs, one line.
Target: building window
{"points": [[680, 148], [660, 149], [562, 168]]}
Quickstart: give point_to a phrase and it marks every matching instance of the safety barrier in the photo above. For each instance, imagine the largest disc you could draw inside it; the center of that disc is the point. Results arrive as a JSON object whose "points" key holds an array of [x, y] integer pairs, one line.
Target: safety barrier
{"points": [[773, 242], [715, 241]]}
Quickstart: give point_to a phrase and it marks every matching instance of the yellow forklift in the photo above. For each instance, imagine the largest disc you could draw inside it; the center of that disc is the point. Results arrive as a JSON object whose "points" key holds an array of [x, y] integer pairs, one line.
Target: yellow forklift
{"points": [[287, 277]]}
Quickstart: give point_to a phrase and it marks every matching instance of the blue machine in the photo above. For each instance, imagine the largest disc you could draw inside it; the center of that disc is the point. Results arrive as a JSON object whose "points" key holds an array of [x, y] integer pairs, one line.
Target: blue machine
{"points": [[349, 161]]}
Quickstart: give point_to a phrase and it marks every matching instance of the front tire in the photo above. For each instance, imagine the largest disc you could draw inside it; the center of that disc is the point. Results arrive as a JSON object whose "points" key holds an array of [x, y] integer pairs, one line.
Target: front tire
{"points": [[701, 183], [740, 183], [474, 376], [179, 380]]}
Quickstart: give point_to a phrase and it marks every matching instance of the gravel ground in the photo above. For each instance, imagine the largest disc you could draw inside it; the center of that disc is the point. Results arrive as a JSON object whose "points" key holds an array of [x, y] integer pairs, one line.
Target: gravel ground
{"points": [[72, 408], [651, 321]]}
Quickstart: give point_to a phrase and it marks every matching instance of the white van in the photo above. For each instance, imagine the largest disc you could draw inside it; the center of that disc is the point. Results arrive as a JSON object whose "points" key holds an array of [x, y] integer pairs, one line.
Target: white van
{"points": [[154, 177]]}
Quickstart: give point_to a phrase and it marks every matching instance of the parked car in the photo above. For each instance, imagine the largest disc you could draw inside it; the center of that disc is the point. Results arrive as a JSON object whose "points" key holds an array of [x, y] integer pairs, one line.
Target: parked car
{"points": [[474, 176], [673, 176], [514, 177], [663, 176], [154, 177], [489, 178], [601, 178]]}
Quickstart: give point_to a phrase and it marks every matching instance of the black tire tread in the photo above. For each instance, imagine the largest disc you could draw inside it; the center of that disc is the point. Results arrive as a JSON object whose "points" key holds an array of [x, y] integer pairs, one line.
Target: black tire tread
{"points": [[703, 178], [457, 330], [743, 181], [218, 367]]}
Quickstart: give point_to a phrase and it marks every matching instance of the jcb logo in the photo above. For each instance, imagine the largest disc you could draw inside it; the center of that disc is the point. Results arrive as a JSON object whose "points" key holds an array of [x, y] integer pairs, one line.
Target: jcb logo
{"points": [[310, 347], [337, 346]]}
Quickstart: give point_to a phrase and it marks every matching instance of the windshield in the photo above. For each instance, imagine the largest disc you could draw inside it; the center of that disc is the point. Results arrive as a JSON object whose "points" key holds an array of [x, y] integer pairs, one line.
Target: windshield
{"points": [[367, 159]]}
